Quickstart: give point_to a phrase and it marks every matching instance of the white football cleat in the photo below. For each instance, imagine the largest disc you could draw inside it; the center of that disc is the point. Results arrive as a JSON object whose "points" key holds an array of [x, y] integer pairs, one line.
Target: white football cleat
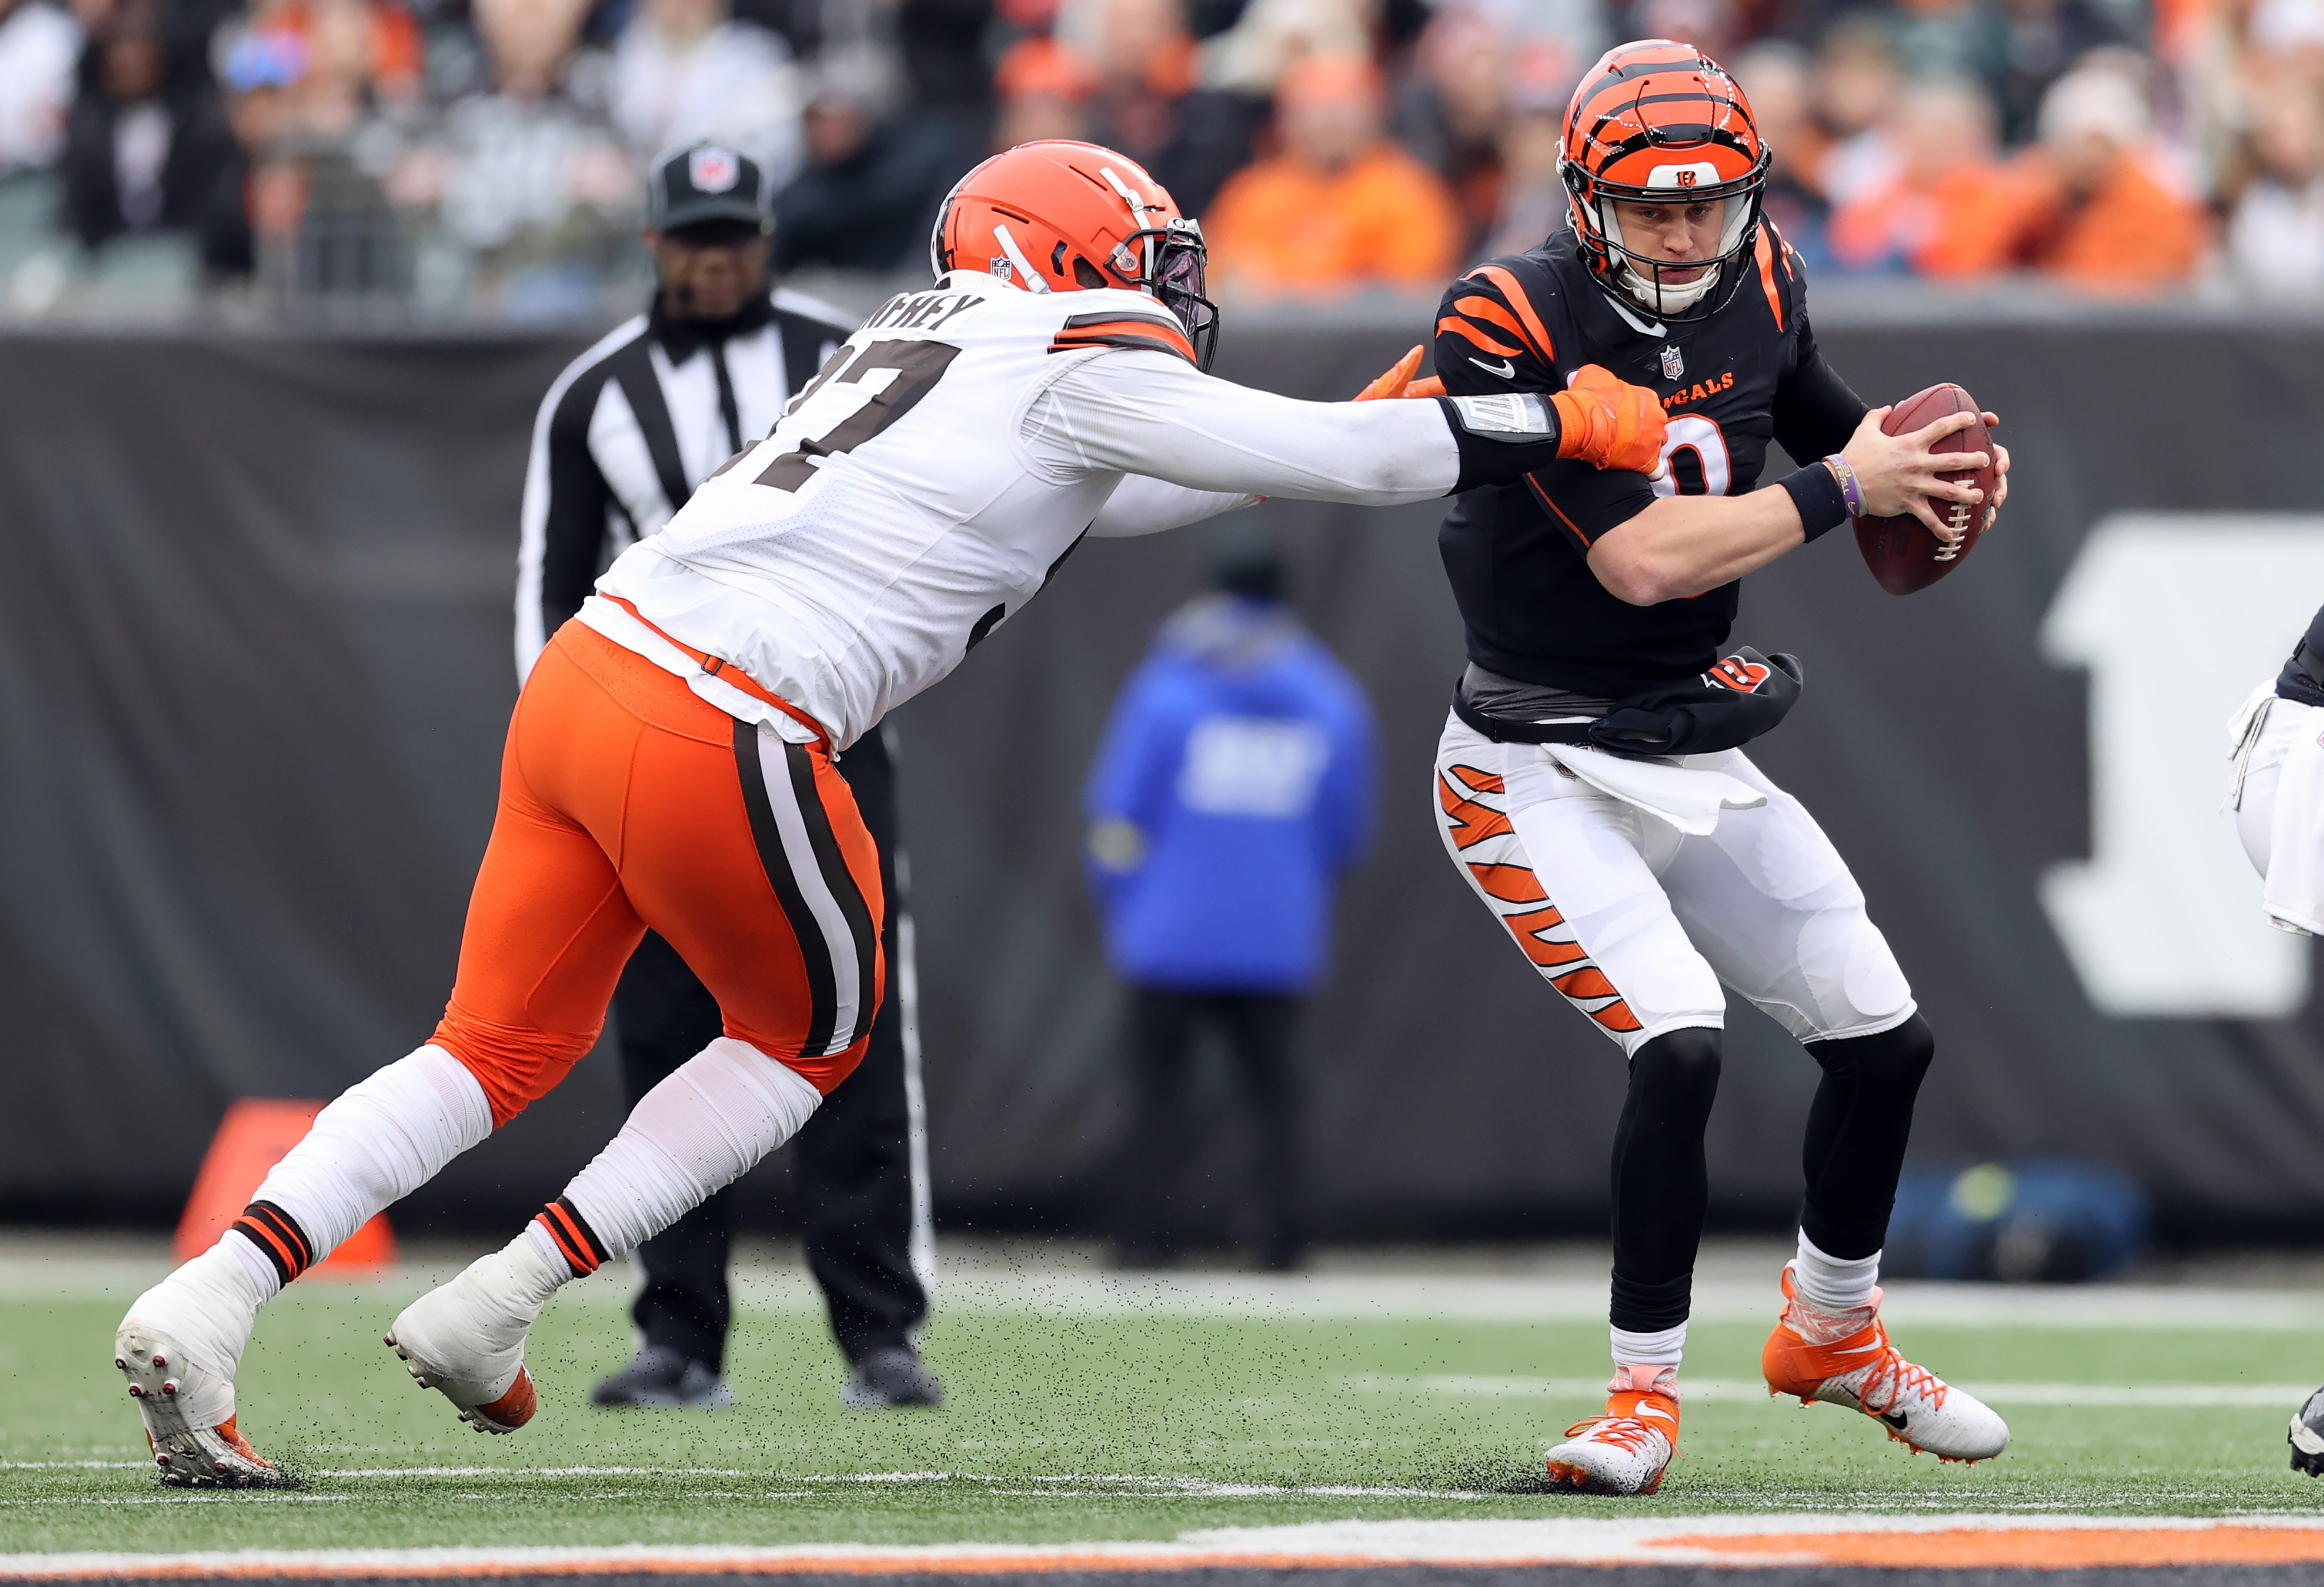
{"points": [[1844, 1358], [466, 1338], [2307, 1435], [1626, 1451], [179, 1346]]}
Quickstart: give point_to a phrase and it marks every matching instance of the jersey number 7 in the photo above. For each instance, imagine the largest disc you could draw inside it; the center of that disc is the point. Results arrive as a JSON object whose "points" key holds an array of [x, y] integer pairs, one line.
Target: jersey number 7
{"points": [[860, 392]]}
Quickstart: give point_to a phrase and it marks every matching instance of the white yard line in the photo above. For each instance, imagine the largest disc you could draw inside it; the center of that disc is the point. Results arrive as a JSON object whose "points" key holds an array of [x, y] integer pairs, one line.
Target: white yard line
{"points": [[2284, 1397]]}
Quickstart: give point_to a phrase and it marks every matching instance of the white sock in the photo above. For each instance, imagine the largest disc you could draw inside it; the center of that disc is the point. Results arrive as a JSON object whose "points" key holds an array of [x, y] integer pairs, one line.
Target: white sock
{"points": [[1830, 1284], [381, 1139], [1662, 1347], [688, 1139]]}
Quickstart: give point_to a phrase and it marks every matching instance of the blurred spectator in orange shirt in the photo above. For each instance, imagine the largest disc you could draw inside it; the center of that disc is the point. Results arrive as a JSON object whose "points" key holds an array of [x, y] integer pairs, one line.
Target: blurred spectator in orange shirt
{"points": [[1043, 88], [1342, 206], [1950, 210], [2095, 212]]}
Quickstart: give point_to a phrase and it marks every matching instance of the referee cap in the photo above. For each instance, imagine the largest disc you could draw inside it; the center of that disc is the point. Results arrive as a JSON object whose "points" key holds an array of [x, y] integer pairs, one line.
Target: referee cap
{"points": [[706, 181]]}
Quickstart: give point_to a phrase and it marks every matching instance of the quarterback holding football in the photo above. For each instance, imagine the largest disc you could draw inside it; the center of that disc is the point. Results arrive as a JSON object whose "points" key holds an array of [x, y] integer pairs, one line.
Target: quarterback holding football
{"points": [[1591, 781]]}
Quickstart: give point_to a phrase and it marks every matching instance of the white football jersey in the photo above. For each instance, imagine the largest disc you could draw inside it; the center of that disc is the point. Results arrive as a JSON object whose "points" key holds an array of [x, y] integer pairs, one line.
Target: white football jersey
{"points": [[941, 466]]}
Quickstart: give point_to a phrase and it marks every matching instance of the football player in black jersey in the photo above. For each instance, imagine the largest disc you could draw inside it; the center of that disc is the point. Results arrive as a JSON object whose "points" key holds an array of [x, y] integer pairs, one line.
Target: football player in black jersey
{"points": [[1591, 789]]}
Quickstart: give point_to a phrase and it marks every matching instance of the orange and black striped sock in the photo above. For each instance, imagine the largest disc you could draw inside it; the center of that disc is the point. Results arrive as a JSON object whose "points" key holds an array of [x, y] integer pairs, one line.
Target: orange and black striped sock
{"points": [[583, 1251], [275, 1232]]}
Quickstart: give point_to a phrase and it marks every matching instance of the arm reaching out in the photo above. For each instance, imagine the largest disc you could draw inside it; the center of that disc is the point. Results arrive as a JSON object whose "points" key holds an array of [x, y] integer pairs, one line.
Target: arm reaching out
{"points": [[1147, 413]]}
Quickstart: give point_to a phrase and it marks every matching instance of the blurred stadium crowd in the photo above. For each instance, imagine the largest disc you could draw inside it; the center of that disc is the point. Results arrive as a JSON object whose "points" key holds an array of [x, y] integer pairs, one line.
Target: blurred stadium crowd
{"points": [[481, 159]]}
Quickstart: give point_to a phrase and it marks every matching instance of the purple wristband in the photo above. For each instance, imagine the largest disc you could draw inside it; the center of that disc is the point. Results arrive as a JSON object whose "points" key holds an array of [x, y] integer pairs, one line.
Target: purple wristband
{"points": [[1851, 490]]}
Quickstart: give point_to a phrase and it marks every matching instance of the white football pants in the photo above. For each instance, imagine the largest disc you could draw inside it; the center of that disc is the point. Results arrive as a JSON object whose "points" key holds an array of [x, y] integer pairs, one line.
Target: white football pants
{"points": [[2280, 813], [1637, 924]]}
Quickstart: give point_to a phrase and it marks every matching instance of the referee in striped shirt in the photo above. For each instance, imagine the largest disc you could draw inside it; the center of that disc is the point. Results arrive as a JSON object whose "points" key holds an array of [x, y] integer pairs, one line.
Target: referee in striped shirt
{"points": [[624, 436]]}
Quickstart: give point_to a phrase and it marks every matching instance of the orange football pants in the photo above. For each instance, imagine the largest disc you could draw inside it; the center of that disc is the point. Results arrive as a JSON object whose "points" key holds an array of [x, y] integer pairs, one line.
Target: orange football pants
{"points": [[628, 803]]}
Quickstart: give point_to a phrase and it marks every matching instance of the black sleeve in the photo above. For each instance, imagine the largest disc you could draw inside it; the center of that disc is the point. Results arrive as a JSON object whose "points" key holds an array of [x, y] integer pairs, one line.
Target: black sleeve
{"points": [[573, 528], [1490, 338], [1815, 412]]}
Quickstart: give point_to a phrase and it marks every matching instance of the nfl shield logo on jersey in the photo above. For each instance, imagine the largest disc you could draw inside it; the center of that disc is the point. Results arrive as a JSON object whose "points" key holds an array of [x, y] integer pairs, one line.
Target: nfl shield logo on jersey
{"points": [[1674, 363], [712, 170]]}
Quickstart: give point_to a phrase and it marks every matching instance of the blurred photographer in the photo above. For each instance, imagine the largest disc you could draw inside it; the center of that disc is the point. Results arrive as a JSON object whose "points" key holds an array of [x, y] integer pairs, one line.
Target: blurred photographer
{"points": [[624, 436]]}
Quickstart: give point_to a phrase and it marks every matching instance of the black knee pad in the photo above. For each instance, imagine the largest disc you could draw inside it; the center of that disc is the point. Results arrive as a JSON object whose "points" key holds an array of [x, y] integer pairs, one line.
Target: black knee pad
{"points": [[1891, 1060], [1677, 1073]]}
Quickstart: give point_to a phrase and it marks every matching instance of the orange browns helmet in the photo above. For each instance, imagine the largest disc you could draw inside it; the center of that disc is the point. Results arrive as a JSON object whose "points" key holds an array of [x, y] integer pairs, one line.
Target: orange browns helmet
{"points": [[1656, 122], [1062, 217]]}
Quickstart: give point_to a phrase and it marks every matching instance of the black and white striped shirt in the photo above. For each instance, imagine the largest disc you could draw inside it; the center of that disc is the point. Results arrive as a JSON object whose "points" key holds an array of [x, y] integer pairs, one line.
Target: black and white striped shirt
{"points": [[638, 422]]}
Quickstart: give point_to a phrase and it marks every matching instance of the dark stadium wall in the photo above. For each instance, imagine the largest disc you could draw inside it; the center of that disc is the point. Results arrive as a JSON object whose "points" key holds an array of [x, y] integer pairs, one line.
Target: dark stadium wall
{"points": [[254, 668]]}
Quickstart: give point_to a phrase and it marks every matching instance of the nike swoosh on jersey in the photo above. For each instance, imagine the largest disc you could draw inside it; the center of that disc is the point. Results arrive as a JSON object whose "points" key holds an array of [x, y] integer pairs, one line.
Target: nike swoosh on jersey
{"points": [[1507, 371]]}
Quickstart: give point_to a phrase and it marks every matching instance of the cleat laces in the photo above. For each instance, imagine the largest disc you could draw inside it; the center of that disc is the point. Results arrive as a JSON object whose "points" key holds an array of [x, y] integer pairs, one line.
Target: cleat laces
{"points": [[1890, 1379], [1626, 1434]]}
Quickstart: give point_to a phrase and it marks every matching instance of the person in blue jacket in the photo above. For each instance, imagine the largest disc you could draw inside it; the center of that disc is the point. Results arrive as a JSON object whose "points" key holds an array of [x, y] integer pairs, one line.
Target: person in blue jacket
{"points": [[1233, 789]]}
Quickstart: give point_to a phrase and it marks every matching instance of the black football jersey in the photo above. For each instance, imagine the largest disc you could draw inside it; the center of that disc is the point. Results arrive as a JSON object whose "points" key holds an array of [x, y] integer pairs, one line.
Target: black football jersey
{"points": [[1517, 553]]}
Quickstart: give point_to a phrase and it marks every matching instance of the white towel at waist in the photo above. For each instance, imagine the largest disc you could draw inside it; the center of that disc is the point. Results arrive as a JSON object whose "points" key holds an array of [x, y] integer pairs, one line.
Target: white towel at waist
{"points": [[1683, 792]]}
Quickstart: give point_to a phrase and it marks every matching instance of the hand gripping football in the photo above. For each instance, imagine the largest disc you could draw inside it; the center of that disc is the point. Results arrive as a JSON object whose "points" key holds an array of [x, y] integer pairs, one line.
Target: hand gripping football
{"points": [[1901, 551]]}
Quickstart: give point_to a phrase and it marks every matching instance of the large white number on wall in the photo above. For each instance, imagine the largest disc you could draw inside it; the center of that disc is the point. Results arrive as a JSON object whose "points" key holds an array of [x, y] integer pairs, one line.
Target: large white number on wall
{"points": [[1692, 432], [2177, 616]]}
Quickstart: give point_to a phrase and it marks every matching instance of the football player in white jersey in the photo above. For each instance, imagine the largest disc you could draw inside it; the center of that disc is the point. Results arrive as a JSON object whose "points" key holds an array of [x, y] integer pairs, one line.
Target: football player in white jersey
{"points": [[668, 765]]}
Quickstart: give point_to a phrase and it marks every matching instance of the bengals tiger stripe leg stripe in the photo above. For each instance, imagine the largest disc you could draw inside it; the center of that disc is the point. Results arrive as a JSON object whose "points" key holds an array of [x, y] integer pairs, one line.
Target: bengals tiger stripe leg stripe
{"points": [[1478, 830]]}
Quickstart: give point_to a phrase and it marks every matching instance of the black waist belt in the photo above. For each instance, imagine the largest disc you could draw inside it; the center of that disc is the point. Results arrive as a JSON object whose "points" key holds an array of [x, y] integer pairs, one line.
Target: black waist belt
{"points": [[1503, 732], [1740, 697]]}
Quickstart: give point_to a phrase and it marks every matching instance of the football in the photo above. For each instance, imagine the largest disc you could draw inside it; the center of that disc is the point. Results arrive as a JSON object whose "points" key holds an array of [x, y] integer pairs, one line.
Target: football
{"points": [[1901, 551]]}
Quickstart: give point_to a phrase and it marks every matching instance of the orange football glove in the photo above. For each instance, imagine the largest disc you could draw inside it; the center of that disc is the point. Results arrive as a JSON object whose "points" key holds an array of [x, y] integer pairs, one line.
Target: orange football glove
{"points": [[1609, 422], [1399, 382]]}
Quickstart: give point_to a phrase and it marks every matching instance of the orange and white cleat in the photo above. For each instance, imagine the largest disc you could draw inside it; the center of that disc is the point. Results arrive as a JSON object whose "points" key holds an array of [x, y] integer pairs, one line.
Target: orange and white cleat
{"points": [[466, 1338], [1844, 1358], [1626, 1451], [179, 1347]]}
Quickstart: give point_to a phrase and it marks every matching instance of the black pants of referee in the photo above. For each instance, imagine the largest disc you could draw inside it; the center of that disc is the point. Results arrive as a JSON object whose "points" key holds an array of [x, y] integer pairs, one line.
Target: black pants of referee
{"points": [[852, 1160], [1259, 1032]]}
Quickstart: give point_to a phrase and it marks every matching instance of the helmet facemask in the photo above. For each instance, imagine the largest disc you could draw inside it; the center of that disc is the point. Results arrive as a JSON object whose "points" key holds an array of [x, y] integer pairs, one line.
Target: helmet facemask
{"points": [[1172, 260], [1650, 280]]}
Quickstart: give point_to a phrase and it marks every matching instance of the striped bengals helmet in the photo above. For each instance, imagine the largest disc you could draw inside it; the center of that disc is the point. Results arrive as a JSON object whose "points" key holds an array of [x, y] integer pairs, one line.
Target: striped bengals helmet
{"points": [[1059, 216], [1656, 122]]}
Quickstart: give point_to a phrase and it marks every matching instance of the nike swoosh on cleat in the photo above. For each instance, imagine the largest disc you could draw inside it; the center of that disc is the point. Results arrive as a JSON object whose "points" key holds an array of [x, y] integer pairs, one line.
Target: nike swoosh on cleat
{"points": [[1507, 371], [1895, 1419]]}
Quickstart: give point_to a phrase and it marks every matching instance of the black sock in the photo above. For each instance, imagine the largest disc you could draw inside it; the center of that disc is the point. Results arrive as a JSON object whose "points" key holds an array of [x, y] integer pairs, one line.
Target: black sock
{"points": [[1858, 1127], [1661, 1187]]}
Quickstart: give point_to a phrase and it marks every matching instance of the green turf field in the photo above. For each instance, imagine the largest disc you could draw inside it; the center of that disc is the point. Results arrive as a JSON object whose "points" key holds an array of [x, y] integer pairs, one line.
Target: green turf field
{"points": [[1083, 1426]]}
